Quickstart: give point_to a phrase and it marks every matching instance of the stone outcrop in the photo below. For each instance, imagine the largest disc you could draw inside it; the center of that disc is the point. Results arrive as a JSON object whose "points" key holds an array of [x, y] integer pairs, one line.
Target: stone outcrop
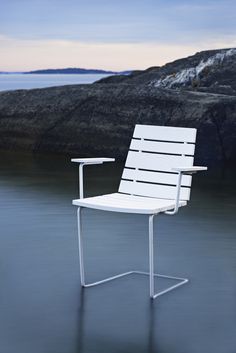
{"points": [[212, 71], [98, 119]]}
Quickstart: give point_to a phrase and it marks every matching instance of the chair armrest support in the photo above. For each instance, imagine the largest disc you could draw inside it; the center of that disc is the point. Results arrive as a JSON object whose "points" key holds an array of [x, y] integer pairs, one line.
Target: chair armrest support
{"points": [[87, 161], [178, 188], [181, 172]]}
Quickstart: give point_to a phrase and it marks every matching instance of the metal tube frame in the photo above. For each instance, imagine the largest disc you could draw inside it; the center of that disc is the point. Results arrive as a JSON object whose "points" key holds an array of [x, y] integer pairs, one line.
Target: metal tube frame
{"points": [[151, 273]]}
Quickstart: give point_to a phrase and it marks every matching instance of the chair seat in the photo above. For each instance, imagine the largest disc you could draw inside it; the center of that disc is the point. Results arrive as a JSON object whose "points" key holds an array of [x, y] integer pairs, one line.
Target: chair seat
{"points": [[118, 202]]}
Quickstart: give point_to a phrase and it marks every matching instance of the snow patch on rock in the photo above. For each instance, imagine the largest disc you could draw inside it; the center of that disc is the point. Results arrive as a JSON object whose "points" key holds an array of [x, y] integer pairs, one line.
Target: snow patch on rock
{"points": [[187, 76]]}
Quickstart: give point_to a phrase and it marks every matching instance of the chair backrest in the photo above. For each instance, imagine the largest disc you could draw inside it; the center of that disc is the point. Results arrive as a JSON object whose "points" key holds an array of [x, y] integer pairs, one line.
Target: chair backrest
{"points": [[154, 151]]}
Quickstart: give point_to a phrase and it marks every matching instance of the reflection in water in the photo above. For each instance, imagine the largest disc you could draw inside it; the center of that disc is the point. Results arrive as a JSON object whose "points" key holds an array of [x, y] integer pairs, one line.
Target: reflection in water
{"points": [[151, 328], [83, 315], [44, 310], [81, 319]]}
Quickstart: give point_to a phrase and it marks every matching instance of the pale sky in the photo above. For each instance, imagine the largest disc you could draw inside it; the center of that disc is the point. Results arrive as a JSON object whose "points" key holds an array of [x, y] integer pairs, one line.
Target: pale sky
{"points": [[108, 34]]}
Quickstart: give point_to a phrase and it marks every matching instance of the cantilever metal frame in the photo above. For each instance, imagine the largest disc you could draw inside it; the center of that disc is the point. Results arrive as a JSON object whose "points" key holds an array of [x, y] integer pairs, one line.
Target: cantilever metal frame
{"points": [[151, 273]]}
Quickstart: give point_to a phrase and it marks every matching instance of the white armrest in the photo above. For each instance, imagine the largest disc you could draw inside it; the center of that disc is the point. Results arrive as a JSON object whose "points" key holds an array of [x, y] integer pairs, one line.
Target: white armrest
{"points": [[87, 161], [189, 170], [99, 160], [181, 171]]}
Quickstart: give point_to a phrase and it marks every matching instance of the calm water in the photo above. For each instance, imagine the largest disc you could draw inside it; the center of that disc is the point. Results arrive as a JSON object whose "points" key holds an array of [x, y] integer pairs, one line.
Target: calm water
{"points": [[43, 309], [20, 81]]}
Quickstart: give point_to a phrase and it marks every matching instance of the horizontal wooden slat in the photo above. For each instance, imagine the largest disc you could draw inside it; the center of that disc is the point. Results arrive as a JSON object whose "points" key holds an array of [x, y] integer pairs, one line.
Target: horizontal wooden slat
{"points": [[159, 162], [155, 177], [165, 133], [162, 147], [127, 203], [153, 190]]}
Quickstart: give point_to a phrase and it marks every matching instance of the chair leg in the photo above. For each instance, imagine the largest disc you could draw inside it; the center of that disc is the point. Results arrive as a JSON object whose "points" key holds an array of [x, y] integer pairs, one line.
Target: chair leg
{"points": [[151, 262], [81, 253], [81, 257], [151, 273]]}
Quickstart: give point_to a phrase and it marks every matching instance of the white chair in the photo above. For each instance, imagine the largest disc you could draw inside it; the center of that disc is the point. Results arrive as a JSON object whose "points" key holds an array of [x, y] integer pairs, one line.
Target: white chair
{"points": [[156, 179]]}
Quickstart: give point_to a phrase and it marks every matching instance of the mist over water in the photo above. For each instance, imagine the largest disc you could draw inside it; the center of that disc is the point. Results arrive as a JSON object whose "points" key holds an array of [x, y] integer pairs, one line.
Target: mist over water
{"points": [[42, 306]]}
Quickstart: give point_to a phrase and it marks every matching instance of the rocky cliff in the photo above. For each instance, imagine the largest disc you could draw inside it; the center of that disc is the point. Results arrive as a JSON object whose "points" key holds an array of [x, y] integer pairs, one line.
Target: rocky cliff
{"points": [[212, 71], [98, 119]]}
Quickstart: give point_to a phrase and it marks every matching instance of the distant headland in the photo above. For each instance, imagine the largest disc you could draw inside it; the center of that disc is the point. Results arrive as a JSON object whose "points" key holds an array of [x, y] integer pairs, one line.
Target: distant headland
{"points": [[69, 70]]}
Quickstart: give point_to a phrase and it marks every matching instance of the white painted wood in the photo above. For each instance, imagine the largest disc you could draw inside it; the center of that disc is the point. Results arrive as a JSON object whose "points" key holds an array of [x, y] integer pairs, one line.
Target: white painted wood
{"points": [[99, 160], [159, 162], [158, 154], [153, 190], [193, 169], [165, 133], [163, 147], [127, 203], [155, 177]]}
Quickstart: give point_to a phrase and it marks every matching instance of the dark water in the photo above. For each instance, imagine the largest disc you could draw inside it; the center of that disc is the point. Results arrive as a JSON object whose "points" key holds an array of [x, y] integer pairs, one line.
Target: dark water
{"points": [[42, 308]]}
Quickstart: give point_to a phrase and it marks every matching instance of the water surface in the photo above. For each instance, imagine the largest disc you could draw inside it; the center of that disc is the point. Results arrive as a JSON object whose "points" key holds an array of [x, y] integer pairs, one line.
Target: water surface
{"points": [[44, 310], [29, 81]]}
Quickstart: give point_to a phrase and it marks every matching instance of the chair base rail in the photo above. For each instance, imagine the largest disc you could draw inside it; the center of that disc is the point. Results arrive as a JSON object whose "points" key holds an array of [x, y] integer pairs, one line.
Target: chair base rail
{"points": [[151, 273], [181, 282]]}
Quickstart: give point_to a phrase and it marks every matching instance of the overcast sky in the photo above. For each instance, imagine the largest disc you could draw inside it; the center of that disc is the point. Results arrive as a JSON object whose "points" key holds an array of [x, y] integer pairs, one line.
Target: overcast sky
{"points": [[110, 34]]}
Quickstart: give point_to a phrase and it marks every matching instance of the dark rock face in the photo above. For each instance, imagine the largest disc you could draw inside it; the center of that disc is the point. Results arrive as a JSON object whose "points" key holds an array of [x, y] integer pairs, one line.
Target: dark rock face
{"points": [[98, 119]]}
